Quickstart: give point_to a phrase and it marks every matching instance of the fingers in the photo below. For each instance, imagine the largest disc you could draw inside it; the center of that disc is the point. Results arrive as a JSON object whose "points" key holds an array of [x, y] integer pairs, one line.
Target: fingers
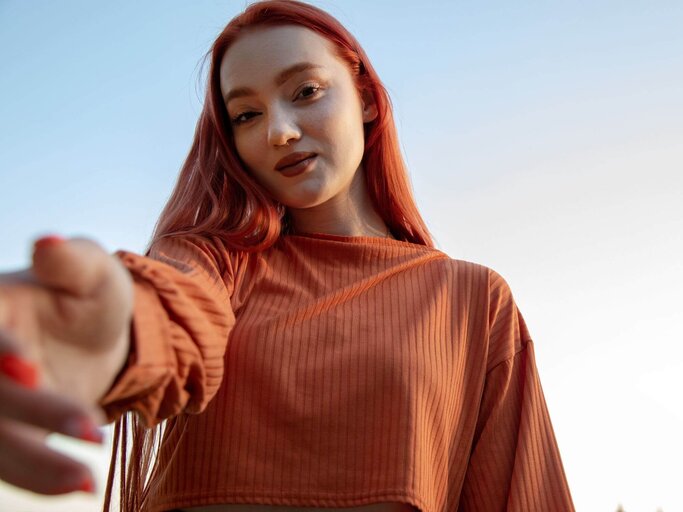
{"points": [[26, 414], [75, 265], [13, 364], [48, 411], [17, 369], [21, 400], [28, 463]]}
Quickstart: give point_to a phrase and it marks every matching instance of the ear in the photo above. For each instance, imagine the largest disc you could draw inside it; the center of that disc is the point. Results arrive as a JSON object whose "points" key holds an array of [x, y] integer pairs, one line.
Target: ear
{"points": [[369, 106]]}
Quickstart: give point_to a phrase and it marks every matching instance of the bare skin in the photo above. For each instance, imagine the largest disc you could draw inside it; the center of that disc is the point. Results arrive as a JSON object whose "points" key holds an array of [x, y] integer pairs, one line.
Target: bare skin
{"points": [[68, 316], [332, 196], [318, 110]]}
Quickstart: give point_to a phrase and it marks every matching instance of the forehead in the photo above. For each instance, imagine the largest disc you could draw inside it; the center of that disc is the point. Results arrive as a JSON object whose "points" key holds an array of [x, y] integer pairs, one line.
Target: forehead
{"points": [[258, 55]]}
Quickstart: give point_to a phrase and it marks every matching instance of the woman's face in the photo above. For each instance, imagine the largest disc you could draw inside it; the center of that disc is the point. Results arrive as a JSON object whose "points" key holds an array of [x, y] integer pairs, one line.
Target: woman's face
{"points": [[287, 92]]}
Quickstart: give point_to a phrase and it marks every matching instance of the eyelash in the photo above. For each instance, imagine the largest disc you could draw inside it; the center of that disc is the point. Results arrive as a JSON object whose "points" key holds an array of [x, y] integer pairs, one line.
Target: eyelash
{"points": [[316, 88]]}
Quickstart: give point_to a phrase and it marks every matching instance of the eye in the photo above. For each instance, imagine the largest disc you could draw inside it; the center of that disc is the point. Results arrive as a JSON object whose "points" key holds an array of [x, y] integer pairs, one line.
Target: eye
{"points": [[242, 117], [314, 88], [311, 89]]}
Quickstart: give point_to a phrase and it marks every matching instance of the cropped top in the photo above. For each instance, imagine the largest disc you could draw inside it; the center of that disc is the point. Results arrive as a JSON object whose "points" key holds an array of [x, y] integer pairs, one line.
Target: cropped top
{"points": [[335, 371]]}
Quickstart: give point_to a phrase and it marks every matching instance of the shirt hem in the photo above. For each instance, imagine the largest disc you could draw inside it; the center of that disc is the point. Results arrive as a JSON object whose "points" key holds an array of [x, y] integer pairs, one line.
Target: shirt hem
{"points": [[291, 499]]}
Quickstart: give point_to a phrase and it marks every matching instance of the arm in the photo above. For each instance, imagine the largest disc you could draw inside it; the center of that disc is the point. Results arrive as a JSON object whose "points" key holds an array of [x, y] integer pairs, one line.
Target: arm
{"points": [[63, 337], [515, 463], [181, 321]]}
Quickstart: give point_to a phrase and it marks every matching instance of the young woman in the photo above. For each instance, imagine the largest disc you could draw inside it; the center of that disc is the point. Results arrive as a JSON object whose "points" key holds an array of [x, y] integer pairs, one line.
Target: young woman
{"points": [[291, 338]]}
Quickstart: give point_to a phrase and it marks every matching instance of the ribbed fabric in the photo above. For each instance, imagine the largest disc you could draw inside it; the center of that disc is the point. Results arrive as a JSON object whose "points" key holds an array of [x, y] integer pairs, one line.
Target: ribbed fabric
{"points": [[334, 371]]}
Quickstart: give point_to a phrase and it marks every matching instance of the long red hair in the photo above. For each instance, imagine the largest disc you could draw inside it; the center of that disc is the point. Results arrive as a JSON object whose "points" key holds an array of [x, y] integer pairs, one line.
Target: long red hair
{"points": [[215, 195]]}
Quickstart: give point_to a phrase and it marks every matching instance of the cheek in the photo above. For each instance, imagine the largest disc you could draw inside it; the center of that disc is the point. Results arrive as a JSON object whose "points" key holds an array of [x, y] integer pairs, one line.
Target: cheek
{"points": [[245, 149], [337, 123], [253, 159]]}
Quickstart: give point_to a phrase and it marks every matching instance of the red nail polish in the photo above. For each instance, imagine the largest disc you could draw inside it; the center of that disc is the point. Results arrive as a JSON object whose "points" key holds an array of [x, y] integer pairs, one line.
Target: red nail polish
{"points": [[50, 240], [83, 428], [19, 370], [87, 485]]}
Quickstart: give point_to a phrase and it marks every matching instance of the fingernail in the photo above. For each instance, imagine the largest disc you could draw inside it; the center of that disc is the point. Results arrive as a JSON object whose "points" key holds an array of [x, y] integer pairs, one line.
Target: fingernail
{"points": [[19, 370], [47, 241], [83, 428], [87, 485]]}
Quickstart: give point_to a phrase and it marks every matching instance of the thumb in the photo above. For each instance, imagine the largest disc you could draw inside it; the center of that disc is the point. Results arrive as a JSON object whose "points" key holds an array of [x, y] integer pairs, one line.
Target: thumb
{"points": [[76, 265]]}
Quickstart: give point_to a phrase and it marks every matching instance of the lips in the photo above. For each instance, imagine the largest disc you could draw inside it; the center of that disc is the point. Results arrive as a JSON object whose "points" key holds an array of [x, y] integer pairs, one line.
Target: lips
{"points": [[292, 159]]}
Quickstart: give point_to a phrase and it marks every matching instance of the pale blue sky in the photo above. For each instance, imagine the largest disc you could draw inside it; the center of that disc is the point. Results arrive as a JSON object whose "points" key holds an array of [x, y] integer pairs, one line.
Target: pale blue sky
{"points": [[544, 140]]}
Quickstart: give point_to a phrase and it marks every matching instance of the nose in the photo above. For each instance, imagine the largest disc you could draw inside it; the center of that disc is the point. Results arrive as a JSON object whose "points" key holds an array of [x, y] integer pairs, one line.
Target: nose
{"points": [[282, 127]]}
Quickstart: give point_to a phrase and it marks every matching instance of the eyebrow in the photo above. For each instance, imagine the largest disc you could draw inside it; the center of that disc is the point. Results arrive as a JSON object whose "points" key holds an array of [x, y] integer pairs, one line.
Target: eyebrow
{"points": [[280, 79]]}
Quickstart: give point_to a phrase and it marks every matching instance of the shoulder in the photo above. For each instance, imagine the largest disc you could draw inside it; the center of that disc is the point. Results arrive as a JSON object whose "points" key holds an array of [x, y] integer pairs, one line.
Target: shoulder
{"points": [[468, 267], [482, 277], [489, 283], [489, 277], [488, 297], [191, 253], [508, 332]]}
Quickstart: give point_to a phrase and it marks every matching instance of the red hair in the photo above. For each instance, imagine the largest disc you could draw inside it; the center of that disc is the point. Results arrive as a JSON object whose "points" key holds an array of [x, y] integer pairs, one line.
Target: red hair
{"points": [[216, 196]]}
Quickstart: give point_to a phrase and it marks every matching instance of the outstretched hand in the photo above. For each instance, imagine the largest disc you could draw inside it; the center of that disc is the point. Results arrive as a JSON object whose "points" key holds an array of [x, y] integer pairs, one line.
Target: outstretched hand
{"points": [[64, 336]]}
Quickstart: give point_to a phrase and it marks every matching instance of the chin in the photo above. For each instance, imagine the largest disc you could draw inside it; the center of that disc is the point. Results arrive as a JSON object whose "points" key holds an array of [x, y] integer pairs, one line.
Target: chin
{"points": [[304, 199], [303, 204]]}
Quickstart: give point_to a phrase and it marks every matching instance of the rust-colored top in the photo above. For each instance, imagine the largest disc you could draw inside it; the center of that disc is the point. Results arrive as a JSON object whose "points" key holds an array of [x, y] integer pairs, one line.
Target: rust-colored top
{"points": [[334, 371]]}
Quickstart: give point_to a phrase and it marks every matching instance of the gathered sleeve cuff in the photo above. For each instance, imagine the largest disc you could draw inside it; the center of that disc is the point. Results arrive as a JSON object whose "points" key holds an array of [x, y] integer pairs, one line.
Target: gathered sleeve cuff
{"points": [[182, 320]]}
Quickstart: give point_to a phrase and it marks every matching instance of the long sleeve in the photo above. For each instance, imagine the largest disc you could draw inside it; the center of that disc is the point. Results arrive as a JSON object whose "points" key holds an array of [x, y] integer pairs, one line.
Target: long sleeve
{"points": [[181, 322], [515, 463]]}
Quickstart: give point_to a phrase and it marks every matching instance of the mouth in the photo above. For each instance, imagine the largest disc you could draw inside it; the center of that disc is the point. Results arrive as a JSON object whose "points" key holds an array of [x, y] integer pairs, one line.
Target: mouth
{"points": [[299, 167], [292, 159]]}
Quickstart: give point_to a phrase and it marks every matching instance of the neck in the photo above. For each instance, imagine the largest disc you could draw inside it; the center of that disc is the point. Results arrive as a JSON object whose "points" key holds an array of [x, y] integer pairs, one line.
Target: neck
{"points": [[349, 214]]}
